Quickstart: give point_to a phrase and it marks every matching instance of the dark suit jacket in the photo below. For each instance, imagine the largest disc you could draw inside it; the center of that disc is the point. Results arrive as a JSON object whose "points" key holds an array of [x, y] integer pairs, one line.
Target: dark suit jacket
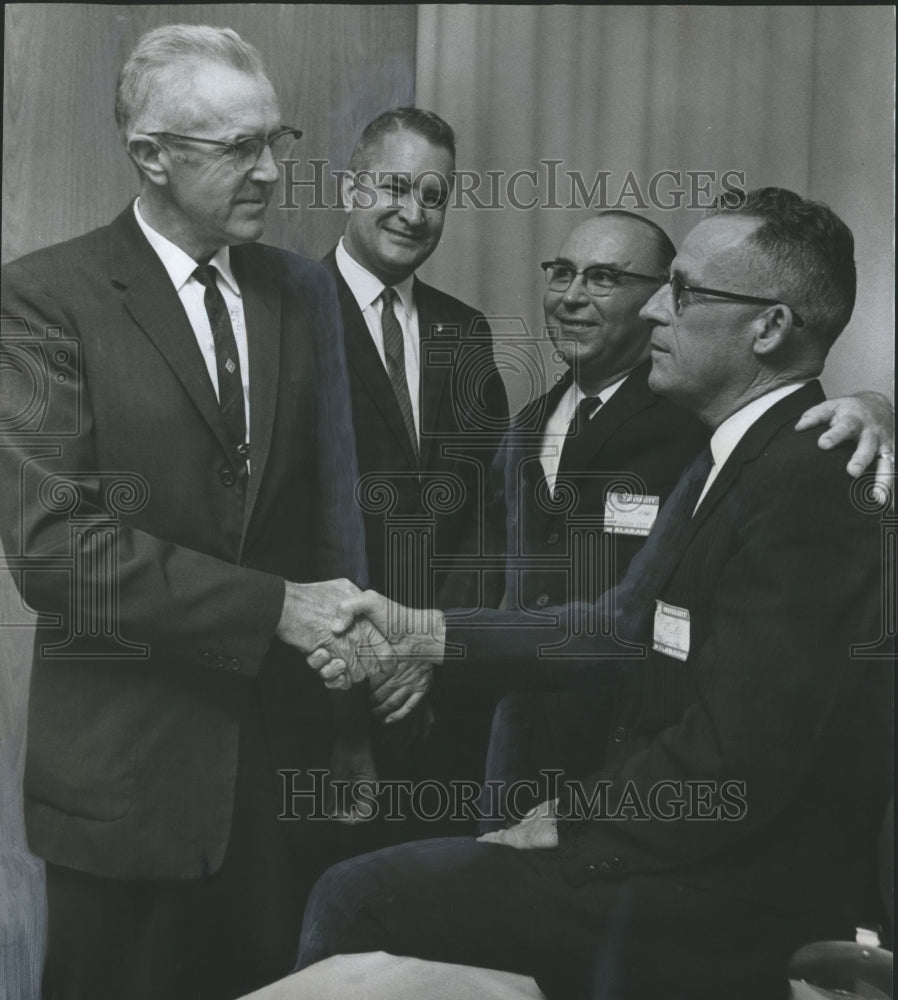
{"points": [[636, 441], [464, 413], [782, 572], [113, 434]]}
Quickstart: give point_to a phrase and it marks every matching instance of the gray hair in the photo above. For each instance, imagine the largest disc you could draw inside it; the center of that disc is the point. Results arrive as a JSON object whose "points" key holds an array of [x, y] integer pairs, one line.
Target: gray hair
{"points": [[178, 48], [809, 251]]}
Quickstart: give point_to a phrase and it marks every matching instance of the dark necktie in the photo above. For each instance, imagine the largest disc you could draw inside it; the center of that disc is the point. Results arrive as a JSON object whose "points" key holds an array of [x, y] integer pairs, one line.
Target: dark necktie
{"points": [[394, 349], [227, 360], [651, 568], [585, 411]]}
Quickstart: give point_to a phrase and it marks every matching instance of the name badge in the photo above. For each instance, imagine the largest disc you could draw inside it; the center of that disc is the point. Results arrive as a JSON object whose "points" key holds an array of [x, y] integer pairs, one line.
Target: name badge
{"points": [[671, 635], [630, 514]]}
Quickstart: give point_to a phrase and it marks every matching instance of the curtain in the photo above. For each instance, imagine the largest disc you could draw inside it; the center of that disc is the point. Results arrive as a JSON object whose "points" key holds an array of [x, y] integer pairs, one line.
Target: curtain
{"points": [[796, 97]]}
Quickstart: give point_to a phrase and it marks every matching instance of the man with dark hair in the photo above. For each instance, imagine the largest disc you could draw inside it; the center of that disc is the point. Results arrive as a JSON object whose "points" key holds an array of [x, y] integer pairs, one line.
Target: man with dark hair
{"points": [[418, 120], [177, 454], [747, 767], [428, 406], [427, 399]]}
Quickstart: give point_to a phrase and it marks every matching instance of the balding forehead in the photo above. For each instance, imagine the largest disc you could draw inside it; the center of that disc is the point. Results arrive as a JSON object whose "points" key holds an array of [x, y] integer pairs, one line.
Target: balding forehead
{"points": [[613, 239]]}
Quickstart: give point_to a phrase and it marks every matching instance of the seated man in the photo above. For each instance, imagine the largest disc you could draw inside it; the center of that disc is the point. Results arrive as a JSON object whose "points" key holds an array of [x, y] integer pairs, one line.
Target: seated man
{"points": [[748, 764]]}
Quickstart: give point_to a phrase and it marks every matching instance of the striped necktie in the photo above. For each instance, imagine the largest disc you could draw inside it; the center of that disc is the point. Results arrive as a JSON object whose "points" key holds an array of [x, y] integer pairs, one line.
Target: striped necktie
{"points": [[394, 349]]}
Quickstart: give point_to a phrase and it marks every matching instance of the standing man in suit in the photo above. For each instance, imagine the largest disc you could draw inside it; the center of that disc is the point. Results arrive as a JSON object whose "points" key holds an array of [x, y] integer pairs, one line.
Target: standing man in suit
{"points": [[600, 428], [428, 404], [751, 749], [177, 466]]}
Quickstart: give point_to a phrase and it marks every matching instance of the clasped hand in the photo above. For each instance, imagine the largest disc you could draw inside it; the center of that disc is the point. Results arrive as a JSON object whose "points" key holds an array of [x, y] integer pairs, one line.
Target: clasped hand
{"points": [[313, 619], [416, 639]]}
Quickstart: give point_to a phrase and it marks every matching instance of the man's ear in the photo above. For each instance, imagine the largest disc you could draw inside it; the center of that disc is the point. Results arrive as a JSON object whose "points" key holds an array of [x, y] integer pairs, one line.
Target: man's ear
{"points": [[772, 330], [347, 189], [151, 159]]}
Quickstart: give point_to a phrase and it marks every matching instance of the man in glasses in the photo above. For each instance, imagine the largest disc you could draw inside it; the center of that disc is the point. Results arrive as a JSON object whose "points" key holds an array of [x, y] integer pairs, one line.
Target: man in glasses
{"points": [[750, 746], [185, 389]]}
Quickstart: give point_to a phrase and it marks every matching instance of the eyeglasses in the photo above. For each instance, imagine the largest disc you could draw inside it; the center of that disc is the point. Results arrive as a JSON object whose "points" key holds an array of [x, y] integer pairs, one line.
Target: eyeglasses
{"points": [[678, 287], [244, 153], [600, 280]]}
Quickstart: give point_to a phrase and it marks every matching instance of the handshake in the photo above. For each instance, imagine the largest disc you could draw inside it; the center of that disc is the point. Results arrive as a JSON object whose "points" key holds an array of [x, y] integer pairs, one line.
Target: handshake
{"points": [[349, 636]]}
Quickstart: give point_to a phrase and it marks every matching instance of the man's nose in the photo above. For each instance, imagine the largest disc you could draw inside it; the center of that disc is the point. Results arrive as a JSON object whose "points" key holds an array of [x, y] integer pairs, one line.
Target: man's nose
{"points": [[265, 168], [656, 307], [410, 210], [576, 293]]}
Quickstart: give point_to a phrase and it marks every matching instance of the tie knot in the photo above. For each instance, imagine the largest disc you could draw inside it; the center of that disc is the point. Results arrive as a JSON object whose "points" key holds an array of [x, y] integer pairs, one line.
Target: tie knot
{"points": [[586, 409], [389, 296], [205, 275]]}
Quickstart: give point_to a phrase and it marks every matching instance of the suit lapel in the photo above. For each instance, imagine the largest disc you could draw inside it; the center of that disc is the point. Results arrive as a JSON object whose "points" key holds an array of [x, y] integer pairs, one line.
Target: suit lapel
{"points": [[631, 398], [262, 314], [528, 430], [753, 443], [435, 378], [365, 362], [153, 303]]}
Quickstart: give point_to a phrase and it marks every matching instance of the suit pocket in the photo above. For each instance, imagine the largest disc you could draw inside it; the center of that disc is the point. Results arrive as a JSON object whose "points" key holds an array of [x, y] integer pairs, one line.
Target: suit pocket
{"points": [[82, 738]]}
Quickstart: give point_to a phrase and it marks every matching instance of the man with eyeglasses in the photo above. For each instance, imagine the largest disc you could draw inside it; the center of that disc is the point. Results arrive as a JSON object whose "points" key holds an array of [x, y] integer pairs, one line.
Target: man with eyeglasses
{"points": [[177, 463], [733, 813]]}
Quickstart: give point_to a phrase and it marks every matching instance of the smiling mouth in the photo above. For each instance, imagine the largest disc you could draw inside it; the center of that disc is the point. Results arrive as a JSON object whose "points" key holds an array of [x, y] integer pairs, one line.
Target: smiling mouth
{"points": [[404, 237]]}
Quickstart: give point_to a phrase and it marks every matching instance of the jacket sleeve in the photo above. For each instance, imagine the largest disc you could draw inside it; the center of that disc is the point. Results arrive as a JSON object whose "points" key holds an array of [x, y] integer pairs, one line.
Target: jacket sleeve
{"points": [[341, 532]]}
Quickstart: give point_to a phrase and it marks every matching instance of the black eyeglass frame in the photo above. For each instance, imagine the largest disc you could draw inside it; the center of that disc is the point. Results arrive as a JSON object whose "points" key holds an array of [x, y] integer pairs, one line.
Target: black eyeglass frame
{"points": [[234, 148], [615, 272], [678, 286]]}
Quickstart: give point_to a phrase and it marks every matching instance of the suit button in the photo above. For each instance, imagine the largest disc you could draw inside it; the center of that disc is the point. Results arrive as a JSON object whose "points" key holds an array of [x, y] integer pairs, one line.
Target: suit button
{"points": [[233, 664], [552, 539], [619, 735], [604, 867], [227, 476], [221, 662], [617, 865], [542, 600]]}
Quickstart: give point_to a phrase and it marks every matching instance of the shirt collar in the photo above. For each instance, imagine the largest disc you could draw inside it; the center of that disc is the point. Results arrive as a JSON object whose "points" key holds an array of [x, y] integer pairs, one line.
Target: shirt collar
{"points": [[366, 288], [602, 396], [734, 428], [180, 265]]}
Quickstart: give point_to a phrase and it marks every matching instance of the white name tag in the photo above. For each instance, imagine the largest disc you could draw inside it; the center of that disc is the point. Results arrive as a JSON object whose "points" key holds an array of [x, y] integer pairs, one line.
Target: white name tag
{"points": [[630, 514], [671, 630]]}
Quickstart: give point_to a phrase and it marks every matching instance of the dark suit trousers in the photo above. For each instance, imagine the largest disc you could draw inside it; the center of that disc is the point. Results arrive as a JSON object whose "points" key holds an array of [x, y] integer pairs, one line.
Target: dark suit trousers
{"points": [[194, 939], [637, 938]]}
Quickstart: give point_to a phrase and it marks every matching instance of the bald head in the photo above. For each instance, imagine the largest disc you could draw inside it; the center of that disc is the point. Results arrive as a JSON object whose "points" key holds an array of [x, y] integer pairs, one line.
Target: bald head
{"points": [[601, 335]]}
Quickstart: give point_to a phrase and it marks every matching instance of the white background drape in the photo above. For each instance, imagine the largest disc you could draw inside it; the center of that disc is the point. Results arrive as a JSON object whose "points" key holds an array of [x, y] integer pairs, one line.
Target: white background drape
{"points": [[796, 97]]}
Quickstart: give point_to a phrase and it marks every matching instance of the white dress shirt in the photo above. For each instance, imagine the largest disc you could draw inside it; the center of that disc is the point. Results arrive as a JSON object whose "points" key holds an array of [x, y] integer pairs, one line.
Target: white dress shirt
{"points": [[366, 290], [180, 267], [558, 423], [735, 427]]}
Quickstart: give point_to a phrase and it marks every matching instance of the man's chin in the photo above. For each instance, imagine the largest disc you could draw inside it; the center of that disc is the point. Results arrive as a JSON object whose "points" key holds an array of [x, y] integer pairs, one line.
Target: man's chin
{"points": [[247, 232]]}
